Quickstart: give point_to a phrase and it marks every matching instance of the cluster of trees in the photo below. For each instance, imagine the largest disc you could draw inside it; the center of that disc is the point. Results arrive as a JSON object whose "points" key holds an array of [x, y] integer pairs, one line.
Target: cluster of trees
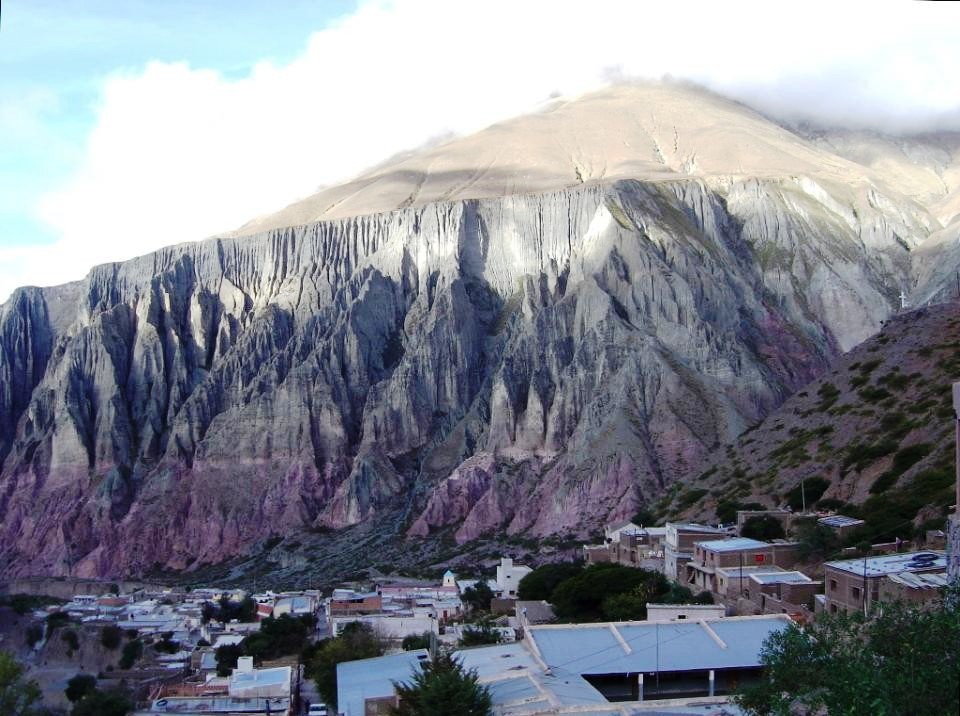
{"points": [[88, 700], [603, 592], [899, 660], [278, 636], [226, 610], [19, 696]]}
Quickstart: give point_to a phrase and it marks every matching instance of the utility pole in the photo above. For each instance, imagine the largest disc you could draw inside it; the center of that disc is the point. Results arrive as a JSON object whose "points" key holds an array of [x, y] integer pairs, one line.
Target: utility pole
{"points": [[863, 597]]}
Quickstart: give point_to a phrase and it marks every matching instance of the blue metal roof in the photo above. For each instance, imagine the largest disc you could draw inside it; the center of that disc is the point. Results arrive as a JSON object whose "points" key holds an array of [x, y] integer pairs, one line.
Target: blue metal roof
{"points": [[734, 544], [372, 678], [674, 646]]}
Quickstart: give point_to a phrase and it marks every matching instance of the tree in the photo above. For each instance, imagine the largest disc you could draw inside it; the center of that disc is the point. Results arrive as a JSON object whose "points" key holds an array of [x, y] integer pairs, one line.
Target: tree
{"points": [[17, 695], [443, 687], [132, 651], [111, 636], [34, 634], [581, 597], [227, 656], [540, 583], [816, 542], [416, 641], [900, 659], [357, 641], [478, 597], [115, 702], [79, 686], [479, 634], [762, 527]]}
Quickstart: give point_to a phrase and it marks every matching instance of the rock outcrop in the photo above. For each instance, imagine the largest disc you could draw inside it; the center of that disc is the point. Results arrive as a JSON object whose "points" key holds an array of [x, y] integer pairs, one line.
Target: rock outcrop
{"points": [[528, 363], [533, 363]]}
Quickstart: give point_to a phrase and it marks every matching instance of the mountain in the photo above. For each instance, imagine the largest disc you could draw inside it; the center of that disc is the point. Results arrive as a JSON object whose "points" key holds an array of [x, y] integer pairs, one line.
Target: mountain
{"points": [[873, 437], [525, 332]]}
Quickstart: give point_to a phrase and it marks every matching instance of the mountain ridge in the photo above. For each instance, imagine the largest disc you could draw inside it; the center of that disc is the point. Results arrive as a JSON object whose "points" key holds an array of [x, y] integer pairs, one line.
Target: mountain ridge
{"points": [[533, 363]]}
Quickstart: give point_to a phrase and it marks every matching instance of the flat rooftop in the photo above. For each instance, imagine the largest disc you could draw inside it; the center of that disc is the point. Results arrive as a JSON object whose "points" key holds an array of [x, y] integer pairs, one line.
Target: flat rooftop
{"points": [[887, 564], [840, 521], [734, 544], [219, 705], [748, 569], [781, 578]]}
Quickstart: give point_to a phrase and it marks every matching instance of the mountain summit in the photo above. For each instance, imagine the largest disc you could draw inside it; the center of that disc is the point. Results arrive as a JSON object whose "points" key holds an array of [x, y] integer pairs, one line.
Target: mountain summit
{"points": [[527, 331]]}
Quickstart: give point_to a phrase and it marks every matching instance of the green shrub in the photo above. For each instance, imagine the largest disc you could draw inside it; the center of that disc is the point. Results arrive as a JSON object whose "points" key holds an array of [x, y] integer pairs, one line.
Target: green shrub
{"points": [[762, 527], [132, 651], [111, 636], [810, 490]]}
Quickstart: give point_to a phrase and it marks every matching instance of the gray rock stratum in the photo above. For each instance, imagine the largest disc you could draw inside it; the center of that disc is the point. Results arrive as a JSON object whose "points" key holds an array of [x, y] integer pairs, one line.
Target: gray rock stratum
{"points": [[526, 362]]}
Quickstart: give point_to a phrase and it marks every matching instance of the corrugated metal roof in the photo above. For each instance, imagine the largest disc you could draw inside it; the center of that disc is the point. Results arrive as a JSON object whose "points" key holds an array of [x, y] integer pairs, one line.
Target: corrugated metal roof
{"points": [[373, 678], [840, 521], [733, 545], [674, 646], [930, 580]]}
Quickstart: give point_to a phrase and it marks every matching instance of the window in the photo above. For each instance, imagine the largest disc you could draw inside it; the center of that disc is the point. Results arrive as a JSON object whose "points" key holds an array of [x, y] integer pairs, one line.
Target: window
{"points": [[855, 592], [833, 608], [833, 585]]}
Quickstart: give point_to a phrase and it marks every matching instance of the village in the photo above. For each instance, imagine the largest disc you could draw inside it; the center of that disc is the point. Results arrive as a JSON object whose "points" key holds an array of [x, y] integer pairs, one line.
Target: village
{"points": [[724, 592]]}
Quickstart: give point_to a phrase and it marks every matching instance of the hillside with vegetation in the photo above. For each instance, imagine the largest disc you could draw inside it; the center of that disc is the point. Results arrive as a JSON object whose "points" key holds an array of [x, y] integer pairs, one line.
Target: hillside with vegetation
{"points": [[872, 438]]}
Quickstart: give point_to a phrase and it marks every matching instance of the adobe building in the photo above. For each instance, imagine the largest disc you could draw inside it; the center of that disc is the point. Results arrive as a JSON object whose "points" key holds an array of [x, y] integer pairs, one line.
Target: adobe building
{"points": [[852, 585]]}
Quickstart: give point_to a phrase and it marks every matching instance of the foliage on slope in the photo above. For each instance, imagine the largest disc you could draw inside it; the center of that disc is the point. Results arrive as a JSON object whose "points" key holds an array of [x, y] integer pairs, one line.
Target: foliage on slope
{"points": [[872, 438]]}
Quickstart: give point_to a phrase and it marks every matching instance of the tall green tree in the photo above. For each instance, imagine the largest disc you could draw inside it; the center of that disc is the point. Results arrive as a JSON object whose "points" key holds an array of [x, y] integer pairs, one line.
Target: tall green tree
{"points": [[443, 687], [114, 702], [900, 660], [79, 686], [18, 696]]}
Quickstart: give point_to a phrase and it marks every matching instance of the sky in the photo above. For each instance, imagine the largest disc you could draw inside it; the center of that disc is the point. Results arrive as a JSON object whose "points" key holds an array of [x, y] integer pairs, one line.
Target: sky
{"points": [[127, 125]]}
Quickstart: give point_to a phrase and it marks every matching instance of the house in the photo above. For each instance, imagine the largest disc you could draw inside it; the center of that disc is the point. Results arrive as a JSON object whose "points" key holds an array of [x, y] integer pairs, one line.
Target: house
{"points": [[700, 571], [347, 601], [783, 593], [614, 530], [509, 576], [678, 545], [854, 584], [841, 524], [633, 548], [732, 581]]}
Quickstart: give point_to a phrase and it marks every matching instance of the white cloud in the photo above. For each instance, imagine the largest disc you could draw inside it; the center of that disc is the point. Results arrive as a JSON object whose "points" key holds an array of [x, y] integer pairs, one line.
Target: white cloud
{"points": [[180, 153]]}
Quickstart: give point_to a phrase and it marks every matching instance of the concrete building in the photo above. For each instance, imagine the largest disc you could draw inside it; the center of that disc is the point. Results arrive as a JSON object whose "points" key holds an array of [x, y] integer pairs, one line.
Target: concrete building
{"points": [[841, 524], [783, 593], [678, 545], [854, 584], [509, 576], [347, 601], [700, 571], [732, 581]]}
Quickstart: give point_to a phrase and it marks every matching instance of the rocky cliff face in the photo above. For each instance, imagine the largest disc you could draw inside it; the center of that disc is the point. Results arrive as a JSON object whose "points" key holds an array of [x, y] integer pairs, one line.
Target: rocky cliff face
{"points": [[533, 363]]}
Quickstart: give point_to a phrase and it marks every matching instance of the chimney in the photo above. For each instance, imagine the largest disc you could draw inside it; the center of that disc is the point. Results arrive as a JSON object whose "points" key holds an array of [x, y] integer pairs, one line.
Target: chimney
{"points": [[506, 562], [245, 665]]}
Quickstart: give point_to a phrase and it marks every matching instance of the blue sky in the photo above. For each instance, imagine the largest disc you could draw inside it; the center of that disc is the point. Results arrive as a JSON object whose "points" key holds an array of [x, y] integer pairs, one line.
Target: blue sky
{"points": [[55, 56], [128, 126]]}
